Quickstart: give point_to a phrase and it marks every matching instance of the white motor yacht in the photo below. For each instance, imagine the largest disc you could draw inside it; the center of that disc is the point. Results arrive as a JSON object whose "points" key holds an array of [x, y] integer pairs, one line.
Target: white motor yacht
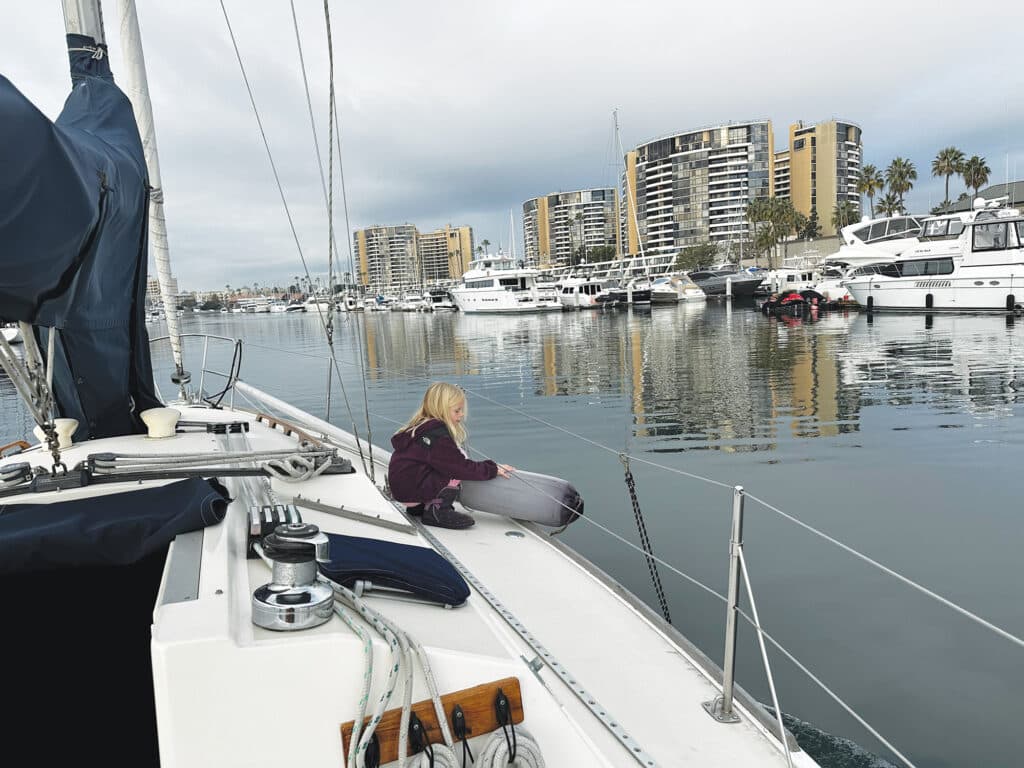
{"points": [[582, 292], [496, 284], [671, 289], [964, 262]]}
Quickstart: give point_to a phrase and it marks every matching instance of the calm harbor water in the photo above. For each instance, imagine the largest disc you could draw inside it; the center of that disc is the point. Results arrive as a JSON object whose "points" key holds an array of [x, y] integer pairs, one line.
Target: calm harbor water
{"points": [[898, 435]]}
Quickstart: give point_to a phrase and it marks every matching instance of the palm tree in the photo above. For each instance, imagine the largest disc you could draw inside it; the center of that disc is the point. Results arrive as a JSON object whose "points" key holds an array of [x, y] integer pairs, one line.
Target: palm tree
{"points": [[889, 204], [485, 244], [899, 177], [870, 183], [844, 213], [949, 161], [975, 173]]}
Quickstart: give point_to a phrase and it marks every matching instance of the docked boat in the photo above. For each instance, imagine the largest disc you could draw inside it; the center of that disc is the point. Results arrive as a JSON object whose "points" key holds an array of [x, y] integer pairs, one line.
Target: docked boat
{"points": [[582, 292], [441, 300], [495, 284], [870, 241], [317, 304], [673, 289], [963, 262], [295, 306], [242, 574], [724, 281], [636, 290]]}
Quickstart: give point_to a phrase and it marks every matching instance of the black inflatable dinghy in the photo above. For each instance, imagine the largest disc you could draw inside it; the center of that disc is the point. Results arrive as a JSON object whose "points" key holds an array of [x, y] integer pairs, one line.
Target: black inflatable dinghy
{"points": [[525, 496]]}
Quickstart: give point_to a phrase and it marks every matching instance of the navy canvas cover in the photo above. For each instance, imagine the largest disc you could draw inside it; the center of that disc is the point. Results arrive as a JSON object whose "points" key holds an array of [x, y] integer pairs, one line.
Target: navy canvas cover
{"points": [[116, 529], [74, 198], [418, 570]]}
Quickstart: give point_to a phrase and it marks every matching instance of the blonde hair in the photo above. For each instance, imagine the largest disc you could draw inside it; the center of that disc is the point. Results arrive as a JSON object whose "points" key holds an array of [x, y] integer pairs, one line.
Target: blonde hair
{"points": [[438, 402]]}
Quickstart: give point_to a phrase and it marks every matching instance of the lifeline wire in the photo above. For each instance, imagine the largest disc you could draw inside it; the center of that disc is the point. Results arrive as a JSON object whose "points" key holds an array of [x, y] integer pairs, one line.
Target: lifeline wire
{"points": [[924, 590]]}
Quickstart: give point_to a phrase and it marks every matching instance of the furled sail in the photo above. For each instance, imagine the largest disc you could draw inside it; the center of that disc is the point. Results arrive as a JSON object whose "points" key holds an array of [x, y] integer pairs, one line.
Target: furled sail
{"points": [[73, 242]]}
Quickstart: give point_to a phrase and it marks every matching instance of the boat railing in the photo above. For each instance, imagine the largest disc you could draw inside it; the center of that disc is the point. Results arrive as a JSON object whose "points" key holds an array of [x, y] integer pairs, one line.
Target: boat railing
{"points": [[722, 707]]}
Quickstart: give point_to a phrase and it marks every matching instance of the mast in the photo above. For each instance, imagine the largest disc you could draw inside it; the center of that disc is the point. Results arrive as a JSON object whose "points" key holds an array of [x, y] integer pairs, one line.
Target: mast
{"points": [[136, 87], [630, 202]]}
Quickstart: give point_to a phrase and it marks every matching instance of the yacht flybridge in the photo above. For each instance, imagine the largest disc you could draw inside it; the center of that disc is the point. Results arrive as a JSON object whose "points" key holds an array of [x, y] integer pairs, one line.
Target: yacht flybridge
{"points": [[497, 284], [962, 262]]}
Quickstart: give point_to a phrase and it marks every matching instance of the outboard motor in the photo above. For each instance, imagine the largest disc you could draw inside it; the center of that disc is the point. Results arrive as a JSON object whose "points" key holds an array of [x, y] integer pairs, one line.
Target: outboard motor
{"points": [[294, 599]]}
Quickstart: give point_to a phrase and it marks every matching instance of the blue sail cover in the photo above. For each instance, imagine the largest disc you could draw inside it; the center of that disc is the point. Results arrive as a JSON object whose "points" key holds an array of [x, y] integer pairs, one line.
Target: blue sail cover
{"points": [[74, 200]]}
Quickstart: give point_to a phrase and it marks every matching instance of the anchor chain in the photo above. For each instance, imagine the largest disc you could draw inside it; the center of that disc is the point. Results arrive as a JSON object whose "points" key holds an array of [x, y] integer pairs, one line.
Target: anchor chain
{"points": [[645, 541]]}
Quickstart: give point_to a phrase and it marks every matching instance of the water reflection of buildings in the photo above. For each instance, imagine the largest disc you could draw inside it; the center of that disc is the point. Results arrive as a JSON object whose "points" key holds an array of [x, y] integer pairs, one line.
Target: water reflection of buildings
{"points": [[940, 359], [693, 377]]}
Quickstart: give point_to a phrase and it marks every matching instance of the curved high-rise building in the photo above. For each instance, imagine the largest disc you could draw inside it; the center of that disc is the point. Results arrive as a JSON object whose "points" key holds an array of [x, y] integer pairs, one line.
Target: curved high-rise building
{"points": [[693, 187]]}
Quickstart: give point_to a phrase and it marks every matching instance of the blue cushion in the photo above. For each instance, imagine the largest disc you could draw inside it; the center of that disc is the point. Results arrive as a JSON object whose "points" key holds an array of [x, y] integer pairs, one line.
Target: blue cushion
{"points": [[417, 570]]}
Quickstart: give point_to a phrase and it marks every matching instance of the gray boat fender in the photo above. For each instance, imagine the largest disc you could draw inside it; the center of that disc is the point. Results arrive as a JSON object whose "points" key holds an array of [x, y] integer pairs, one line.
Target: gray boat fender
{"points": [[528, 496]]}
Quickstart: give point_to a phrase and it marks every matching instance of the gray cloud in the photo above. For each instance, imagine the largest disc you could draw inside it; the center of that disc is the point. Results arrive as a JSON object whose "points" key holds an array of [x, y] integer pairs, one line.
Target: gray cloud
{"points": [[457, 112]]}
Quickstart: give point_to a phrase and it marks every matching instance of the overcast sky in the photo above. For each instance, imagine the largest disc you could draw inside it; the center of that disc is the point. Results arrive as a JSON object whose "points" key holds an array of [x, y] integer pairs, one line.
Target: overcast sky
{"points": [[457, 112]]}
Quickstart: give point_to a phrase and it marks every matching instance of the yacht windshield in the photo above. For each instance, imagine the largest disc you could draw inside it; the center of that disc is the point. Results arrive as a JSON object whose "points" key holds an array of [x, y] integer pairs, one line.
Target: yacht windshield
{"points": [[942, 229]]}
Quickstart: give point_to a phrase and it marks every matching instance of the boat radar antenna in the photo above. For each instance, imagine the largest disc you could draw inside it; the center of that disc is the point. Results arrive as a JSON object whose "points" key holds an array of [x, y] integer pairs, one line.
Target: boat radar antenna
{"points": [[136, 87]]}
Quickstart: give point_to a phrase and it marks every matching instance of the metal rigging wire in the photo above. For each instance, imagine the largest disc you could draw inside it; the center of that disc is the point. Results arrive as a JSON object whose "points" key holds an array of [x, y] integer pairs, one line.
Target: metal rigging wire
{"points": [[284, 202]]}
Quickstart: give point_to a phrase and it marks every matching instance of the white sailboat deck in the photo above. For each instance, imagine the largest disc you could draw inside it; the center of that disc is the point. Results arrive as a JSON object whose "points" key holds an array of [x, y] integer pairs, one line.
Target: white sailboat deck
{"points": [[220, 680]]}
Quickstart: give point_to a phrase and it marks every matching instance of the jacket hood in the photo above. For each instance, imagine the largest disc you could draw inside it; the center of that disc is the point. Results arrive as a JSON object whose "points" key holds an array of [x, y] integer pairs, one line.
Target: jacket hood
{"points": [[401, 440]]}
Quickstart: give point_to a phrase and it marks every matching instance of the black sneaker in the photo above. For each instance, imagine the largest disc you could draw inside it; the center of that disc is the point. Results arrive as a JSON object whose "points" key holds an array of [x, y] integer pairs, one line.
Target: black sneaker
{"points": [[445, 516], [415, 511]]}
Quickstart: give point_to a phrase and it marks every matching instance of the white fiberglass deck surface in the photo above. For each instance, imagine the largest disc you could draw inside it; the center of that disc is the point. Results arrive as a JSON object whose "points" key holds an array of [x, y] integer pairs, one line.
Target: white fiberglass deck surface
{"points": [[224, 686]]}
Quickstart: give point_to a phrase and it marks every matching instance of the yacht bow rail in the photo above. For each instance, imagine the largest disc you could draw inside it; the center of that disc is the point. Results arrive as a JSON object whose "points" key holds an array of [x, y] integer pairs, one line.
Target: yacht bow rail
{"points": [[721, 707]]}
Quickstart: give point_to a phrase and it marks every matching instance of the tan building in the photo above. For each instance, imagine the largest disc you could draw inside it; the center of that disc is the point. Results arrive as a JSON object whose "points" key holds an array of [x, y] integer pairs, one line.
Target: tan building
{"points": [[399, 256], [562, 228], [694, 187], [820, 168], [446, 253]]}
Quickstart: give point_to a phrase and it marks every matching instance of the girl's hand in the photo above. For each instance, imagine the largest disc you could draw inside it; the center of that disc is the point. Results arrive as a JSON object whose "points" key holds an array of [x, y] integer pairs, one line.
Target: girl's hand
{"points": [[505, 470]]}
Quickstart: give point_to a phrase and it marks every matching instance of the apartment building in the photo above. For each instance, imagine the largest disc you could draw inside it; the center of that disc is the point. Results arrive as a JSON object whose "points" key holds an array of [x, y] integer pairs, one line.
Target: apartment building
{"points": [[819, 168], [560, 229], [402, 256], [445, 254], [694, 187]]}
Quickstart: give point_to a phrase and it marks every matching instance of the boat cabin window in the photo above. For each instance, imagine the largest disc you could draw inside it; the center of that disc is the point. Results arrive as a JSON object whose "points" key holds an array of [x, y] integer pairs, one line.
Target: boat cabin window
{"points": [[942, 229], [862, 234], [1019, 226], [480, 283], [926, 267], [513, 283], [990, 237], [888, 270]]}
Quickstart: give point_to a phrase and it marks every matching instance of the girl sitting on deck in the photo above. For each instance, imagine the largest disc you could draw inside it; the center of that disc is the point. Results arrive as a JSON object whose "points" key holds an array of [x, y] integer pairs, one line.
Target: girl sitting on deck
{"points": [[429, 461]]}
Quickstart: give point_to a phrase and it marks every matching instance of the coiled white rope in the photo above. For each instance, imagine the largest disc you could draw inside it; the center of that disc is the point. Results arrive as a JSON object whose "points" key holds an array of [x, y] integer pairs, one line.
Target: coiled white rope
{"points": [[440, 756], [295, 468], [495, 753]]}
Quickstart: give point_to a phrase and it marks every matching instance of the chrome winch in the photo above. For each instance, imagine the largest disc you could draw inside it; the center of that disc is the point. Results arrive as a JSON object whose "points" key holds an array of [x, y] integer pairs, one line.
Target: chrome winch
{"points": [[294, 599]]}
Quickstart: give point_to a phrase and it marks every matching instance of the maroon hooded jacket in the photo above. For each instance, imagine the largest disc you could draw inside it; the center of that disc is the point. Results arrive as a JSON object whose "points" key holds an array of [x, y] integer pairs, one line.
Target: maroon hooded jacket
{"points": [[425, 462]]}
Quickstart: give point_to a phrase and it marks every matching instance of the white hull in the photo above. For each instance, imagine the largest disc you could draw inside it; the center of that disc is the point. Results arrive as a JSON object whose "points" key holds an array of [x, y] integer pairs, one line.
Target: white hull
{"points": [[998, 292], [501, 302]]}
